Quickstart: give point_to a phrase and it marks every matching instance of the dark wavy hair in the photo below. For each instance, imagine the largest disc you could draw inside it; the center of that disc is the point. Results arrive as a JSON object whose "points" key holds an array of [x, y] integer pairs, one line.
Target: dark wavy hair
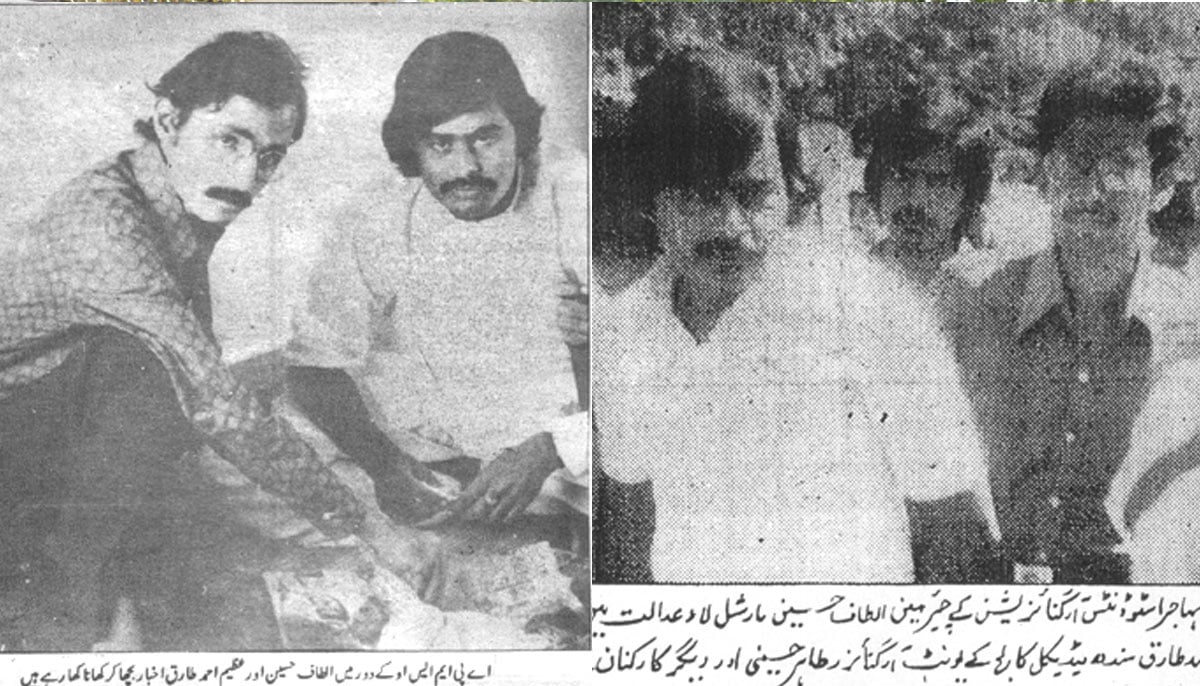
{"points": [[1126, 89], [256, 65], [447, 76], [697, 120], [903, 132]]}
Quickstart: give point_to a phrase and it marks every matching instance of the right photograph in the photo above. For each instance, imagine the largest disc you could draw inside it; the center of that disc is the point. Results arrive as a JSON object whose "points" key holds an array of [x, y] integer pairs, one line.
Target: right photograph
{"points": [[895, 293]]}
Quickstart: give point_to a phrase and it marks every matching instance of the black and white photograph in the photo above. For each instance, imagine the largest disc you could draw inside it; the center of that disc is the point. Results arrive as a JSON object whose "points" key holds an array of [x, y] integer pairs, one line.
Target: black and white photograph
{"points": [[896, 293], [294, 328]]}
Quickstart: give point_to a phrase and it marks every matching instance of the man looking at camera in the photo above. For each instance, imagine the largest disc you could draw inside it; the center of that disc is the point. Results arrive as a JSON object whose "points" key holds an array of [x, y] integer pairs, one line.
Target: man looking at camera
{"points": [[109, 371], [1059, 349], [430, 333], [927, 185], [749, 377]]}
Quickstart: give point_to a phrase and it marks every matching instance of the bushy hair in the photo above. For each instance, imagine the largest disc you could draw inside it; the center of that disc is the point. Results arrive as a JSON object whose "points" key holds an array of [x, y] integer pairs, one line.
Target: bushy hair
{"points": [[1128, 89], [449, 75], [256, 65], [697, 120], [904, 132]]}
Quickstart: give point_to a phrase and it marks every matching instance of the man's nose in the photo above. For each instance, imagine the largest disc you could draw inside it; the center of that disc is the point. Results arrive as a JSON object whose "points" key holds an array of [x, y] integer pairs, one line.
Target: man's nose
{"points": [[740, 226], [1108, 182], [245, 176], [464, 160]]}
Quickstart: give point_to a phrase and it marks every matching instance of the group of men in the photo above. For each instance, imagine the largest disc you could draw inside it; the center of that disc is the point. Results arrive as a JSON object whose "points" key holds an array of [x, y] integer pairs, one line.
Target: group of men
{"points": [[916, 409], [447, 302]]}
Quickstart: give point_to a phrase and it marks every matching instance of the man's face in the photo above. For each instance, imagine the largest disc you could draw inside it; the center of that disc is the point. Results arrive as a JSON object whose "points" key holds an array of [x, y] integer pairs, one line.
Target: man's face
{"points": [[921, 201], [720, 241], [1097, 183], [223, 155], [469, 163]]}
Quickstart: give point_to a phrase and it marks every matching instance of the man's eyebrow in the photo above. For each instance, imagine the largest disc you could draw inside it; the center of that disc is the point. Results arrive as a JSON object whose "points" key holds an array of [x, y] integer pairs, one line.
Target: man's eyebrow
{"points": [[244, 133], [485, 130]]}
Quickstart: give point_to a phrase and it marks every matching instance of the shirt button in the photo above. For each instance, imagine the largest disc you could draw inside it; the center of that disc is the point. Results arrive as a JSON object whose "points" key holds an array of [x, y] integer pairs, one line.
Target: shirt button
{"points": [[1084, 376], [1069, 437], [1055, 502]]}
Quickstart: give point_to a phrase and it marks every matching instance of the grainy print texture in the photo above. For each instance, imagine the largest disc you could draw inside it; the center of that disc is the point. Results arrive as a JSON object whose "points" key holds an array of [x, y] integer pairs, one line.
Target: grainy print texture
{"points": [[896, 293], [293, 329]]}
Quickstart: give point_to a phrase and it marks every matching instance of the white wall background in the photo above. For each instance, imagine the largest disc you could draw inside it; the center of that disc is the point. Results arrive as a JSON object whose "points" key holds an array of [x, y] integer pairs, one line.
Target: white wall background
{"points": [[72, 82]]}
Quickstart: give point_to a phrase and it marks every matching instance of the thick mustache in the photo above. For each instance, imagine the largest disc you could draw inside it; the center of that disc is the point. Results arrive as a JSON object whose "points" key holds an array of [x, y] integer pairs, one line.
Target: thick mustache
{"points": [[910, 216], [719, 247], [1094, 210], [232, 196], [472, 182]]}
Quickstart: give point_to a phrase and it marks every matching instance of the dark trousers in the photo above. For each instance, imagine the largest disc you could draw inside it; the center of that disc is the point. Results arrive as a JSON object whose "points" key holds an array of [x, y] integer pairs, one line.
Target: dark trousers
{"points": [[90, 461], [1103, 569]]}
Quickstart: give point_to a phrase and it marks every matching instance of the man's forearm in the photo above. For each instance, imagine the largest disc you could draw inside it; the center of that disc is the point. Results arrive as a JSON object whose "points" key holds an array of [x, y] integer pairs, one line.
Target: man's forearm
{"points": [[331, 400]]}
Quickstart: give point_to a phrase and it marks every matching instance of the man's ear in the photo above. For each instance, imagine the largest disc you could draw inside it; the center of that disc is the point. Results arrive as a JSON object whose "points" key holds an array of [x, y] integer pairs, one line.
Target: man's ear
{"points": [[166, 119]]}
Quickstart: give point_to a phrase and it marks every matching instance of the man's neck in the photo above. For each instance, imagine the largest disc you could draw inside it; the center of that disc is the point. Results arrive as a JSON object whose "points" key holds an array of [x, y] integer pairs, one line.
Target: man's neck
{"points": [[1096, 295], [920, 266], [699, 307]]}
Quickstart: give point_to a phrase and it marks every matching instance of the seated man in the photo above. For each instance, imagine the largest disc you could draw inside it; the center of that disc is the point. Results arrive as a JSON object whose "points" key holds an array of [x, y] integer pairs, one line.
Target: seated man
{"points": [[109, 371], [430, 333], [1060, 351], [785, 398], [928, 185]]}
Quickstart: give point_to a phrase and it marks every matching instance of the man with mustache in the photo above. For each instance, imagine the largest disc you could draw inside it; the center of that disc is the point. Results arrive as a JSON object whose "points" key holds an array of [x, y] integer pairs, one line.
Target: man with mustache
{"points": [[927, 185], [1060, 350], [430, 332], [790, 401], [109, 370]]}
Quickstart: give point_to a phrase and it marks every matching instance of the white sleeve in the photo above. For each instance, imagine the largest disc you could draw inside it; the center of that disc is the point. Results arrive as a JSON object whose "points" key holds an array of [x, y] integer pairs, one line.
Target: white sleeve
{"points": [[570, 197], [924, 416], [332, 326], [638, 395], [572, 439]]}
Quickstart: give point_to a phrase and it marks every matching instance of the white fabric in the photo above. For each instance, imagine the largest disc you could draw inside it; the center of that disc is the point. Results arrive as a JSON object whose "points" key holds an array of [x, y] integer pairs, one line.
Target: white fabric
{"points": [[449, 325], [783, 448]]}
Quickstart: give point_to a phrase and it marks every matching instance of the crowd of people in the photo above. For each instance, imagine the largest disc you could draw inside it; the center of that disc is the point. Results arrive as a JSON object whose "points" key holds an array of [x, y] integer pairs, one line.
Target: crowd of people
{"points": [[907, 387]]}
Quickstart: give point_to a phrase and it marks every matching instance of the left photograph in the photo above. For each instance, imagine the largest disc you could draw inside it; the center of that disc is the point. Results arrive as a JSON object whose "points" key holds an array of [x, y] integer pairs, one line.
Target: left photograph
{"points": [[294, 328]]}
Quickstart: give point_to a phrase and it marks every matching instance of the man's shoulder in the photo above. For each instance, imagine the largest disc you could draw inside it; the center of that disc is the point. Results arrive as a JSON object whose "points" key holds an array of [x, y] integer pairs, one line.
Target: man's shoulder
{"points": [[648, 295], [983, 278], [559, 163], [375, 212], [101, 202]]}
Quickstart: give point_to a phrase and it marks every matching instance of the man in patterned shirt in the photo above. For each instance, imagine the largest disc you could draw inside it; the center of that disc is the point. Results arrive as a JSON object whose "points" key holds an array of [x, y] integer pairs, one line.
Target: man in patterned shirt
{"points": [[109, 370]]}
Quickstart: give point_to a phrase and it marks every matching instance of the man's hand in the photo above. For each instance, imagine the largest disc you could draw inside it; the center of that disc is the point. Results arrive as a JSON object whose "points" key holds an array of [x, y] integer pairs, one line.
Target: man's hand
{"points": [[412, 492], [572, 312], [506, 486]]}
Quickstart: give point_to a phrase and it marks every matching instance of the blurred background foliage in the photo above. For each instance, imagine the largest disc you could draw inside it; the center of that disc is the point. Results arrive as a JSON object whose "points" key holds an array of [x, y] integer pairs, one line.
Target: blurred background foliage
{"points": [[846, 59]]}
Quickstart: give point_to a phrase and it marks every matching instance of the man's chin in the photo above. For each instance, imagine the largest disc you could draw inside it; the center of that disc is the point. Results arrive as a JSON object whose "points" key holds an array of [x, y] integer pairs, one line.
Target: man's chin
{"points": [[470, 211], [214, 212]]}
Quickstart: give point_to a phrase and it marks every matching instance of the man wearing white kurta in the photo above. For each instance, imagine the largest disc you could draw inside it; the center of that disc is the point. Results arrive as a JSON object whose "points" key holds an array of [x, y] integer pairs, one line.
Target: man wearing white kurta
{"points": [[439, 293], [787, 399]]}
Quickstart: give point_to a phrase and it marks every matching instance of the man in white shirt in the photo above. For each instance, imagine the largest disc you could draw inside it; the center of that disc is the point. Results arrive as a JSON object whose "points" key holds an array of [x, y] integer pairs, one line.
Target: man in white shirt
{"points": [[436, 300], [787, 399]]}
